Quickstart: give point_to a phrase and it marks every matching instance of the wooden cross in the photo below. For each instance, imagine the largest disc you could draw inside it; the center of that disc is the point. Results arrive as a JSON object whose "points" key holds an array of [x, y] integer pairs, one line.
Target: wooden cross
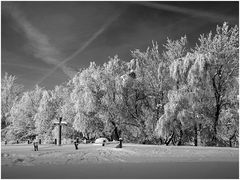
{"points": [[60, 124]]}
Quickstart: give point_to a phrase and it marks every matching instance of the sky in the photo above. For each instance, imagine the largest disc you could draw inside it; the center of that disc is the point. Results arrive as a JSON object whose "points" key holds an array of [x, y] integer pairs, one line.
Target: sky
{"points": [[46, 43]]}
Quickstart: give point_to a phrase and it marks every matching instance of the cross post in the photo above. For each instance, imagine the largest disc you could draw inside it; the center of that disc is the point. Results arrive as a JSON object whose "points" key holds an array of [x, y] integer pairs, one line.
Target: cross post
{"points": [[60, 124]]}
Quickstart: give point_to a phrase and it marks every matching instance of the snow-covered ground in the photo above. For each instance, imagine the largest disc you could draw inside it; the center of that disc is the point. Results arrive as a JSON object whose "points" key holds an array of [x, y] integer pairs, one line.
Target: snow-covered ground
{"points": [[131, 161]]}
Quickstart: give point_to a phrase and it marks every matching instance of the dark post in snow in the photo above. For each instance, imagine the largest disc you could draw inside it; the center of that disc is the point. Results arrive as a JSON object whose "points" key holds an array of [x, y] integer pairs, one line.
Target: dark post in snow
{"points": [[76, 144], [60, 124], [104, 142], [120, 144]]}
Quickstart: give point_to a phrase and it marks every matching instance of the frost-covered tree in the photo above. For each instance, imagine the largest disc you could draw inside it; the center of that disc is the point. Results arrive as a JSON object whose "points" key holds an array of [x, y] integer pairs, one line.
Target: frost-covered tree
{"points": [[228, 129], [151, 85], [220, 66], [65, 107], [45, 116], [11, 92], [175, 49], [185, 73], [176, 117], [173, 56], [207, 73], [228, 126], [22, 115], [110, 110], [181, 95], [86, 96]]}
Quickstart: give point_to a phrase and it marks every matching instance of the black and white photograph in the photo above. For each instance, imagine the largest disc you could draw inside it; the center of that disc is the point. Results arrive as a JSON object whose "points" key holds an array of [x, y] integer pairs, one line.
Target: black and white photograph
{"points": [[119, 89]]}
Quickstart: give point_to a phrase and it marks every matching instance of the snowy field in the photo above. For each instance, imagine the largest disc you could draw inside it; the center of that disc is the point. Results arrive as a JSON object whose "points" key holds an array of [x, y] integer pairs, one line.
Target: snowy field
{"points": [[132, 161]]}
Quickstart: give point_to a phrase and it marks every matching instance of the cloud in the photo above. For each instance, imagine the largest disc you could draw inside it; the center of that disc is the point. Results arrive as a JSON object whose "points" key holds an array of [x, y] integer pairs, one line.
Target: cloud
{"points": [[85, 45], [38, 43]]}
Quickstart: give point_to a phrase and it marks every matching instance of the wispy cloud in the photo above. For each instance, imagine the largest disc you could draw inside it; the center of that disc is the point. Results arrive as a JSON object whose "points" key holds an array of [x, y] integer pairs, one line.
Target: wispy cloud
{"points": [[39, 43], [85, 45], [209, 16]]}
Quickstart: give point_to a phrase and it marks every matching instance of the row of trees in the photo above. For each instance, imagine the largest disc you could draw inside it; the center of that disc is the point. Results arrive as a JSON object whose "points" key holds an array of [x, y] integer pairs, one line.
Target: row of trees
{"points": [[180, 96]]}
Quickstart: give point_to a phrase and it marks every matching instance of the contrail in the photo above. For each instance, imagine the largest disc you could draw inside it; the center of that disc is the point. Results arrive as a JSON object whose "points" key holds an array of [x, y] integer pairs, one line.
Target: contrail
{"points": [[85, 45], [204, 14], [39, 43], [25, 66]]}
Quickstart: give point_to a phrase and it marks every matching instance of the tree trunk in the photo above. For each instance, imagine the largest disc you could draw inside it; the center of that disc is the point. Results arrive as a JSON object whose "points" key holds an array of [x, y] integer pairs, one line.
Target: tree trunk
{"points": [[115, 132], [169, 140], [195, 135], [217, 90], [230, 139], [161, 141], [180, 138], [217, 113], [157, 117], [199, 134], [143, 135], [230, 143]]}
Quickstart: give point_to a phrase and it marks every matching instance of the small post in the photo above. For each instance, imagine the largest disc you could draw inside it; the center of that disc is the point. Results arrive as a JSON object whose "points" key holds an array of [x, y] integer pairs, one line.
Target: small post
{"points": [[76, 144], [35, 145], [40, 141], [104, 141], [120, 144], [60, 132]]}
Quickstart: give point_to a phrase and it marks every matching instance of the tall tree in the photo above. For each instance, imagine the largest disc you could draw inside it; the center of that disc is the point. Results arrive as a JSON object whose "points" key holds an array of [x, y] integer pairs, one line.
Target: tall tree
{"points": [[86, 96], [45, 116], [11, 92], [220, 65], [175, 51], [65, 108], [110, 103], [22, 115], [151, 86]]}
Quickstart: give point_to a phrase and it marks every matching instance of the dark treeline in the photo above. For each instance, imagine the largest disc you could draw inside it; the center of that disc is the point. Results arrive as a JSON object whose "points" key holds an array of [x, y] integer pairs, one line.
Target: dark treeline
{"points": [[180, 96]]}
